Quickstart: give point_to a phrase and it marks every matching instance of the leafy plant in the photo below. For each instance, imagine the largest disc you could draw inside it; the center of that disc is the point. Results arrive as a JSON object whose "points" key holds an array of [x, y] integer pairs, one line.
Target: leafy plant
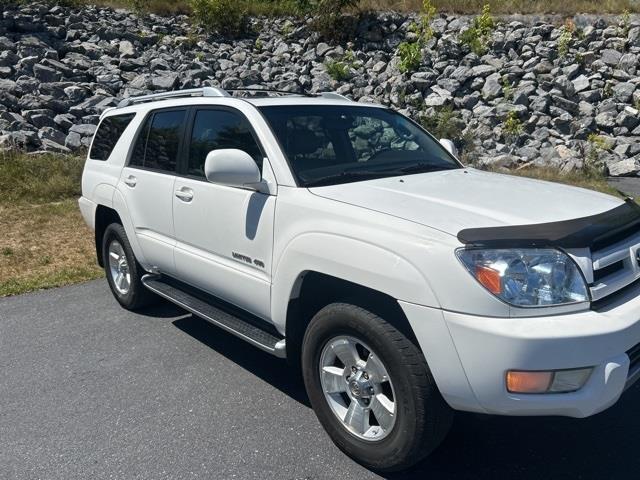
{"points": [[512, 126], [444, 123], [341, 69], [258, 45], [507, 89], [566, 36], [410, 54], [625, 23], [329, 19], [228, 17], [140, 7], [478, 36], [593, 165]]}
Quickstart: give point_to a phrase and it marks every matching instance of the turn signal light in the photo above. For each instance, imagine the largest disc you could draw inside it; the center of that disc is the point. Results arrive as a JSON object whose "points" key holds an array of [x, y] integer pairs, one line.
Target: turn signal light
{"points": [[529, 382], [489, 278], [555, 381]]}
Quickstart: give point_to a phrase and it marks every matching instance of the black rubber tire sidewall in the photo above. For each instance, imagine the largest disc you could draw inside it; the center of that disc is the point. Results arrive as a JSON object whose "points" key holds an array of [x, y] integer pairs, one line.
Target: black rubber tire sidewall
{"points": [[137, 296], [423, 418]]}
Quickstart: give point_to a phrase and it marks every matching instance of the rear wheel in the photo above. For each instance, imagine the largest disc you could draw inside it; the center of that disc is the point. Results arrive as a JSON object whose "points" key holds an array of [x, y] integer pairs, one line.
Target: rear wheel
{"points": [[371, 389], [123, 271]]}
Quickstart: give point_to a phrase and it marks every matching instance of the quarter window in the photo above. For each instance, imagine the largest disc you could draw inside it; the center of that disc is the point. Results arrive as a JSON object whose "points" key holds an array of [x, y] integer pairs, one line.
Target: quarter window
{"points": [[108, 134], [217, 129], [158, 144]]}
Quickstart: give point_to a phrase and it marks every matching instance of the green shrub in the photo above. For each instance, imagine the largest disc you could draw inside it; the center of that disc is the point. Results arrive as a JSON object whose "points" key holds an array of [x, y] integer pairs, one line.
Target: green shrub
{"points": [[340, 70], [477, 36], [512, 126], [444, 123], [228, 17], [330, 19], [410, 54], [564, 42]]}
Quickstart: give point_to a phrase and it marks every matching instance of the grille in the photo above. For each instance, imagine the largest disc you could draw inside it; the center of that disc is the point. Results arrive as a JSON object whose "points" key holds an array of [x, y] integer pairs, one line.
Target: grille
{"points": [[615, 267]]}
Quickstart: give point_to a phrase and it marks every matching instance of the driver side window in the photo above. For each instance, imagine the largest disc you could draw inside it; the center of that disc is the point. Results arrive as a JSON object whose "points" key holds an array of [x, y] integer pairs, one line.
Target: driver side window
{"points": [[218, 129]]}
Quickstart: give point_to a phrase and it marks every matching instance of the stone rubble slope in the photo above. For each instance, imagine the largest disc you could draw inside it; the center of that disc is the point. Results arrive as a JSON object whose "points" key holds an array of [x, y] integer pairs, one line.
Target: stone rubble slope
{"points": [[60, 68]]}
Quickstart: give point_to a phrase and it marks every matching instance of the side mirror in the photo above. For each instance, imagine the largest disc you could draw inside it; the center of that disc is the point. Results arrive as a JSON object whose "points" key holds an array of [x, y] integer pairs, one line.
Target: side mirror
{"points": [[449, 146], [232, 167]]}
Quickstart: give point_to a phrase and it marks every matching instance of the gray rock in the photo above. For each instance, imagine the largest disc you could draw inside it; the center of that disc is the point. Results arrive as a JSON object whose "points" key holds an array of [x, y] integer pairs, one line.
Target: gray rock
{"points": [[46, 74], [628, 167], [492, 87], [611, 57], [624, 91]]}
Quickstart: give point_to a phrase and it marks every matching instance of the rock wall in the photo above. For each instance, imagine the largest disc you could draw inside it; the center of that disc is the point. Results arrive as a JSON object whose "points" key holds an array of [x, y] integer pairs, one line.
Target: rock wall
{"points": [[534, 97]]}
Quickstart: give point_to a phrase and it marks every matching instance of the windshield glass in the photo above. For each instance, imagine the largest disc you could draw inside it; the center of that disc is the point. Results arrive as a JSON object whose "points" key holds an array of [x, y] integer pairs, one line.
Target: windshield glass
{"points": [[328, 144]]}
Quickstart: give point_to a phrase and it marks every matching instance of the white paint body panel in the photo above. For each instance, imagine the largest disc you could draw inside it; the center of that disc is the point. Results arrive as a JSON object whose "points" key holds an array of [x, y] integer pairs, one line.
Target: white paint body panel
{"points": [[396, 236]]}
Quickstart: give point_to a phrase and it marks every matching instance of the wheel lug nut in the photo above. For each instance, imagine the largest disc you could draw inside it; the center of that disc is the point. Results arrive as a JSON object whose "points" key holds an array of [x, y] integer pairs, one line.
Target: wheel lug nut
{"points": [[354, 369], [365, 375]]}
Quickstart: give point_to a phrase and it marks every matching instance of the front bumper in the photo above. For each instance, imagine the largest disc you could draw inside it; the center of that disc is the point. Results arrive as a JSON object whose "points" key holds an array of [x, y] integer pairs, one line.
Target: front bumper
{"points": [[486, 348]]}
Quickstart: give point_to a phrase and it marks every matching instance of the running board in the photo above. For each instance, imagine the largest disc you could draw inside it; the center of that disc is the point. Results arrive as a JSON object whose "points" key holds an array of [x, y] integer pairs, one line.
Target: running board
{"points": [[233, 324]]}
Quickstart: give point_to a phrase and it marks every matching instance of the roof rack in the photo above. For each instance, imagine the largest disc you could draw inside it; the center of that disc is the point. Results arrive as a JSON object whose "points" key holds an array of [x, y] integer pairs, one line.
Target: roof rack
{"points": [[219, 92], [194, 92]]}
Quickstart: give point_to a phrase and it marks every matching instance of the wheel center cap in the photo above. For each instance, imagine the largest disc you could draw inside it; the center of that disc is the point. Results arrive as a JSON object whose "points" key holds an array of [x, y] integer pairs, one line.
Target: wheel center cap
{"points": [[354, 386]]}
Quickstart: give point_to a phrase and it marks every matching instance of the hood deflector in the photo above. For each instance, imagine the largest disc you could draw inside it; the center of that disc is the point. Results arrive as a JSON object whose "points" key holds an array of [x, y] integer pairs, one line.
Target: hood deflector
{"points": [[595, 232]]}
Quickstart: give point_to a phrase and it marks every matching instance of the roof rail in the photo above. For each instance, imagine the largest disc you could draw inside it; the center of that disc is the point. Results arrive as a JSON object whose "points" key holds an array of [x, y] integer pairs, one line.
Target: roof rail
{"points": [[194, 92], [333, 96]]}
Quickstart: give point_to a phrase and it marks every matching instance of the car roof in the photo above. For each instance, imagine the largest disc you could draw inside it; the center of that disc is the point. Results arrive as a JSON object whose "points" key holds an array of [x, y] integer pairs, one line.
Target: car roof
{"points": [[215, 96]]}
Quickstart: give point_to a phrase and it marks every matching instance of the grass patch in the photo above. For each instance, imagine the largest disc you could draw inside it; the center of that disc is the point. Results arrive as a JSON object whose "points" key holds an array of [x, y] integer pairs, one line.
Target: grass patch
{"points": [[45, 242], [38, 178], [576, 179], [44, 246]]}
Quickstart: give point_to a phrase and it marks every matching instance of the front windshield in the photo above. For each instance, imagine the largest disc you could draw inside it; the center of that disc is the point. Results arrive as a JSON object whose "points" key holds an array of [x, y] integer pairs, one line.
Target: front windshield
{"points": [[327, 144]]}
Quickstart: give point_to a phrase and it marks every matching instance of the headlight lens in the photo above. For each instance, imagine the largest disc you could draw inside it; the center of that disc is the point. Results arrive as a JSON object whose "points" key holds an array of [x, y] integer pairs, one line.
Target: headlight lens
{"points": [[527, 277]]}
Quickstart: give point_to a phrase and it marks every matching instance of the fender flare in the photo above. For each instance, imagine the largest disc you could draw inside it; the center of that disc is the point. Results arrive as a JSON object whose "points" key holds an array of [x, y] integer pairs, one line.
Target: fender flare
{"points": [[349, 259]]}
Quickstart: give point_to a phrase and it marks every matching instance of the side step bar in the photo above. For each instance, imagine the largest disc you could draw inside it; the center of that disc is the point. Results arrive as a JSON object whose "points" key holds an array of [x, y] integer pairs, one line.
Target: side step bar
{"points": [[240, 328]]}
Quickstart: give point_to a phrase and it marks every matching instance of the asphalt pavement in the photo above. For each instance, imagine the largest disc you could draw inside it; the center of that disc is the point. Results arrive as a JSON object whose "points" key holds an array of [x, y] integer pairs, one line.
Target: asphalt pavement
{"points": [[91, 391]]}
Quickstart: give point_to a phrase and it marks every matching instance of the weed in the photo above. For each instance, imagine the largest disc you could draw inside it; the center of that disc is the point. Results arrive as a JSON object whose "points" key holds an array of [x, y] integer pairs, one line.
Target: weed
{"points": [[340, 70], [410, 54], [566, 36], [443, 123], [593, 165], [512, 126], [507, 88], [330, 20], [478, 36], [258, 45], [625, 23], [227, 17]]}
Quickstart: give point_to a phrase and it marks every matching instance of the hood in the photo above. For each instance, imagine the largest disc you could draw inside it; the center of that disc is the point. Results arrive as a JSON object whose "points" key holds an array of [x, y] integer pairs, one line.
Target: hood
{"points": [[454, 200]]}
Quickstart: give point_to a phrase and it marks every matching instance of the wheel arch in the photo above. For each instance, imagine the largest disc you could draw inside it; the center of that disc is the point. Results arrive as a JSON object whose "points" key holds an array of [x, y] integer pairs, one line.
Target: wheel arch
{"points": [[314, 290], [105, 216]]}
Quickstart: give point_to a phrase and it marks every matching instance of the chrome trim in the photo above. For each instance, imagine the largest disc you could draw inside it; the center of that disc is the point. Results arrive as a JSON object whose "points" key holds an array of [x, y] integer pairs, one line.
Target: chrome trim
{"points": [[193, 92]]}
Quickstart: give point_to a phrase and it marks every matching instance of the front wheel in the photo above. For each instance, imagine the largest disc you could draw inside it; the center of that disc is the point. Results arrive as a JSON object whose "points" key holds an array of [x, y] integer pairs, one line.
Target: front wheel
{"points": [[371, 389], [123, 272]]}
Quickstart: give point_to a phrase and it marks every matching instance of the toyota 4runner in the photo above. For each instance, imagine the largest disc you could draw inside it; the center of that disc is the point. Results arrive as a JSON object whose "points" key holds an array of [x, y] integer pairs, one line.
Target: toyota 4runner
{"points": [[344, 237]]}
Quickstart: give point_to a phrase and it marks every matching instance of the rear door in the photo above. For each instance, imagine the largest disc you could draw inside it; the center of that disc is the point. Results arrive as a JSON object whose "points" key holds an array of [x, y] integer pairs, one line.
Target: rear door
{"points": [[147, 184], [224, 234]]}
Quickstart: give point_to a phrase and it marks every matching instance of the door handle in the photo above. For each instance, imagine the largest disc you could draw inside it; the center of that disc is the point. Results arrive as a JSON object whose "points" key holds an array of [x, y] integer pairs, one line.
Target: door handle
{"points": [[184, 194], [131, 181]]}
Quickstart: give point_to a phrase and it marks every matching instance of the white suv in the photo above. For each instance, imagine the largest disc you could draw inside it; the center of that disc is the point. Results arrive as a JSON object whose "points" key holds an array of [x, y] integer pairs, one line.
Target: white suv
{"points": [[345, 238]]}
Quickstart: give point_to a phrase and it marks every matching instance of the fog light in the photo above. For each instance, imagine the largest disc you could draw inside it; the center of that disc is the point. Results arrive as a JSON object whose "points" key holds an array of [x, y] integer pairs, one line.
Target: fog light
{"points": [[558, 381]]}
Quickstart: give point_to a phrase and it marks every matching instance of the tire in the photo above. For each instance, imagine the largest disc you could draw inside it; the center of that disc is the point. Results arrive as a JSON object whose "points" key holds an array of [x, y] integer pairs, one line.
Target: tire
{"points": [[421, 417], [130, 292]]}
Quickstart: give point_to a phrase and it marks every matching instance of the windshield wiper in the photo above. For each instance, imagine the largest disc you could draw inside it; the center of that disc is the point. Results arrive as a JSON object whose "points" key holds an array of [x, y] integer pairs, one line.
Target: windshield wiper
{"points": [[346, 176], [425, 167]]}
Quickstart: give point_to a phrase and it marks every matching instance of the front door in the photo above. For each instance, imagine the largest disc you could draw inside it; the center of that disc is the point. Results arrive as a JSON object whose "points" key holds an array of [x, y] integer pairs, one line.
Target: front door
{"points": [[224, 234], [147, 184]]}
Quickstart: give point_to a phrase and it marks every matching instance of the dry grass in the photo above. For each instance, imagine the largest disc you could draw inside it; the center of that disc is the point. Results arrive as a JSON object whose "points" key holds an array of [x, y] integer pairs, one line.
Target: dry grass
{"points": [[577, 179], [469, 7], [45, 243], [44, 246], [502, 7]]}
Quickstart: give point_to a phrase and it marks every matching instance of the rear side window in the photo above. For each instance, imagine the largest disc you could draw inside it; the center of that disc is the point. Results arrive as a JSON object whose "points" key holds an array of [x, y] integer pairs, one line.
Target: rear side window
{"points": [[216, 129], [158, 143], [108, 134]]}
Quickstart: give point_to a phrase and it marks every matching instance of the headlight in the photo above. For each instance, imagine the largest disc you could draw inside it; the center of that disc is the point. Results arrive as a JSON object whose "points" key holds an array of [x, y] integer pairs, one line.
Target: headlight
{"points": [[527, 277]]}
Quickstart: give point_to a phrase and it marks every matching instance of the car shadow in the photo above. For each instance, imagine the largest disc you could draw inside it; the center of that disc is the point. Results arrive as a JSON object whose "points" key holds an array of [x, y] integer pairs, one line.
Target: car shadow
{"points": [[605, 446], [262, 364]]}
